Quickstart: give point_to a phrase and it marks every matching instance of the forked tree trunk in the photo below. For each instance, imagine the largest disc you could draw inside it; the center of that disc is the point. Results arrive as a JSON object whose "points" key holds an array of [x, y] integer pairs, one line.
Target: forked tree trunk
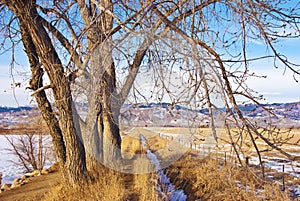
{"points": [[102, 135], [74, 168], [104, 141]]}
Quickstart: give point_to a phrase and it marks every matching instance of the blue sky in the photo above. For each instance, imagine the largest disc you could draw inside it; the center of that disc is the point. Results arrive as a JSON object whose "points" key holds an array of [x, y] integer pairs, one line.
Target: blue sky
{"points": [[279, 86]]}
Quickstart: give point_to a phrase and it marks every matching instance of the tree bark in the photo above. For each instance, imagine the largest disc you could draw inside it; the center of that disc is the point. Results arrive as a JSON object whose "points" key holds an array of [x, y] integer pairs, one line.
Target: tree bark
{"points": [[103, 135], [44, 105], [75, 171]]}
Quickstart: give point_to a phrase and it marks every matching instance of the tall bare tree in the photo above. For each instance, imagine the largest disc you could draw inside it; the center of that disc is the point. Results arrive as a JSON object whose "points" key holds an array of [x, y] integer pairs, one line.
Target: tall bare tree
{"points": [[93, 50]]}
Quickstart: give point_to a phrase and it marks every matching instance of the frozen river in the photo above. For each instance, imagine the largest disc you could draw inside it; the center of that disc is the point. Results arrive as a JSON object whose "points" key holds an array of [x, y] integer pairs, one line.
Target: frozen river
{"points": [[8, 168]]}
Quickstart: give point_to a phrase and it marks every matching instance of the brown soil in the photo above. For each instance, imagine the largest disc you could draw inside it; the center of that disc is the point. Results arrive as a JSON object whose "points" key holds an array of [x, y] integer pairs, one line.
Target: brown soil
{"points": [[35, 189], [19, 130]]}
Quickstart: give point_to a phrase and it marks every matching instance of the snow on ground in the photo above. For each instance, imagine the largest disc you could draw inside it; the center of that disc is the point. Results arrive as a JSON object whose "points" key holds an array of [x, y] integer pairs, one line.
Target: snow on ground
{"points": [[9, 170], [296, 190], [166, 188], [279, 165]]}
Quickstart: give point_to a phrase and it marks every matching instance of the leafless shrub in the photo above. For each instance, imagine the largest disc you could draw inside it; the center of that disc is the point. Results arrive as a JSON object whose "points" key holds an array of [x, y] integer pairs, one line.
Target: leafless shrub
{"points": [[32, 150]]}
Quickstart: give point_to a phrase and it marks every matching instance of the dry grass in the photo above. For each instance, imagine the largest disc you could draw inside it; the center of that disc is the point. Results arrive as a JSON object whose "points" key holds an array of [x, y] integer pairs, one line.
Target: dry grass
{"points": [[289, 136], [131, 145], [144, 184], [202, 132], [113, 186], [109, 186], [205, 179], [156, 143], [33, 125], [201, 179]]}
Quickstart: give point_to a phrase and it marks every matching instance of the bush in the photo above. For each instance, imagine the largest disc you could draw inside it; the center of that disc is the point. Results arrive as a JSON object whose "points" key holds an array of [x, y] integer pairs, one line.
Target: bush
{"points": [[32, 150]]}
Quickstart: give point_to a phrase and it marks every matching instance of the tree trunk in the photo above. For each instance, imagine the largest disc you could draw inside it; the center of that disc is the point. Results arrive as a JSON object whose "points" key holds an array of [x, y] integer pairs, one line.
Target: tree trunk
{"points": [[102, 136], [101, 132], [44, 105], [111, 142], [106, 139], [74, 170]]}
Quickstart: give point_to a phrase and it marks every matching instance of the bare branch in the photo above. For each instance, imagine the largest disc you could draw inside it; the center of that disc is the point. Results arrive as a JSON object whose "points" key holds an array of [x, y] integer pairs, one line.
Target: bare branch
{"points": [[41, 89], [64, 41]]}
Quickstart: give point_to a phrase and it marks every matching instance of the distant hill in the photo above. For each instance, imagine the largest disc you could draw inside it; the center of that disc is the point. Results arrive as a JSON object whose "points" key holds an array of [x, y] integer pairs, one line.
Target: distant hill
{"points": [[287, 110], [166, 114], [15, 109]]}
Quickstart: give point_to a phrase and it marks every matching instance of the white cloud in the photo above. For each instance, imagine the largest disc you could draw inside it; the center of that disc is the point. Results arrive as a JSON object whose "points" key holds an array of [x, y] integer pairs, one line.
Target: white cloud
{"points": [[269, 93], [13, 96], [276, 87]]}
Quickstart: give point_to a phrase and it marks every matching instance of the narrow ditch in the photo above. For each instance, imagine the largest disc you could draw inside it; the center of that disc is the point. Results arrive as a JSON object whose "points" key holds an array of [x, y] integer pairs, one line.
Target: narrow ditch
{"points": [[164, 186]]}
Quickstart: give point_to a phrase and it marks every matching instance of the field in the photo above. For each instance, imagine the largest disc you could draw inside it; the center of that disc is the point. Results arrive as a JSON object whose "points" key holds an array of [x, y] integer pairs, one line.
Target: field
{"points": [[278, 169], [171, 164]]}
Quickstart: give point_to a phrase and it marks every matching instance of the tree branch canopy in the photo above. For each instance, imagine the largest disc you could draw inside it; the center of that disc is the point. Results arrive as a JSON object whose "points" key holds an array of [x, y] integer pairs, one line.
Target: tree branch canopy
{"points": [[100, 56]]}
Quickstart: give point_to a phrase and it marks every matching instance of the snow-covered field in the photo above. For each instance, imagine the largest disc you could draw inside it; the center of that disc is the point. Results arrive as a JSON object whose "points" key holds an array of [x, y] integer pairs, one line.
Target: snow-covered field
{"points": [[9, 170], [165, 187]]}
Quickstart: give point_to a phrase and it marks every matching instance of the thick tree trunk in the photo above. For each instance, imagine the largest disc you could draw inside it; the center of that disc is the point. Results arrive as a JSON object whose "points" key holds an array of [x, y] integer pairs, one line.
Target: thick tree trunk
{"points": [[111, 142], [111, 149], [75, 171], [102, 136], [44, 105], [106, 140]]}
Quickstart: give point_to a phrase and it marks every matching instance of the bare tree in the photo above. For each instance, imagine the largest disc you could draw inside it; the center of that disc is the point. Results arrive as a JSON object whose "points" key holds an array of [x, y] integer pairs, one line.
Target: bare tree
{"points": [[94, 50], [32, 150]]}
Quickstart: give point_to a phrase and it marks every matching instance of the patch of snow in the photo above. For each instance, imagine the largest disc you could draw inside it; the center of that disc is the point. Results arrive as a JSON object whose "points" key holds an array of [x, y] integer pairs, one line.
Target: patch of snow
{"points": [[166, 188], [296, 190], [8, 168]]}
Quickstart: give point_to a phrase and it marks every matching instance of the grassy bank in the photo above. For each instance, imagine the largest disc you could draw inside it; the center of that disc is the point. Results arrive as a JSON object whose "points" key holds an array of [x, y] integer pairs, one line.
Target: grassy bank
{"points": [[201, 178]]}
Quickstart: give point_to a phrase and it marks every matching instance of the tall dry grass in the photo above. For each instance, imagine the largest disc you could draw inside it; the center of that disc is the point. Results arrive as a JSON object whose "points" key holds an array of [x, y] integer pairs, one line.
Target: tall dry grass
{"points": [[144, 185], [144, 181], [206, 179], [131, 145], [108, 187], [201, 179]]}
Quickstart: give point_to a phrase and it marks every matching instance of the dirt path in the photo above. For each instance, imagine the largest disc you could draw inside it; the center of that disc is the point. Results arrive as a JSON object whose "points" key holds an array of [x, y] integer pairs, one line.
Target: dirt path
{"points": [[33, 190]]}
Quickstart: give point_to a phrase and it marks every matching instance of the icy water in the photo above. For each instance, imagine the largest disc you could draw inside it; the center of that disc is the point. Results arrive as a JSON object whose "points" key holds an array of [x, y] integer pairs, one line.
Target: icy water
{"points": [[165, 186], [8, 169]]}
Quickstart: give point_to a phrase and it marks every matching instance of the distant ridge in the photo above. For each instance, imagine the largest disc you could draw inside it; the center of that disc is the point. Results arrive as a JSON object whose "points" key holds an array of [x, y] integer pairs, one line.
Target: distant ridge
{"points": [[15, 109], [288, 110], [291, 110]]}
